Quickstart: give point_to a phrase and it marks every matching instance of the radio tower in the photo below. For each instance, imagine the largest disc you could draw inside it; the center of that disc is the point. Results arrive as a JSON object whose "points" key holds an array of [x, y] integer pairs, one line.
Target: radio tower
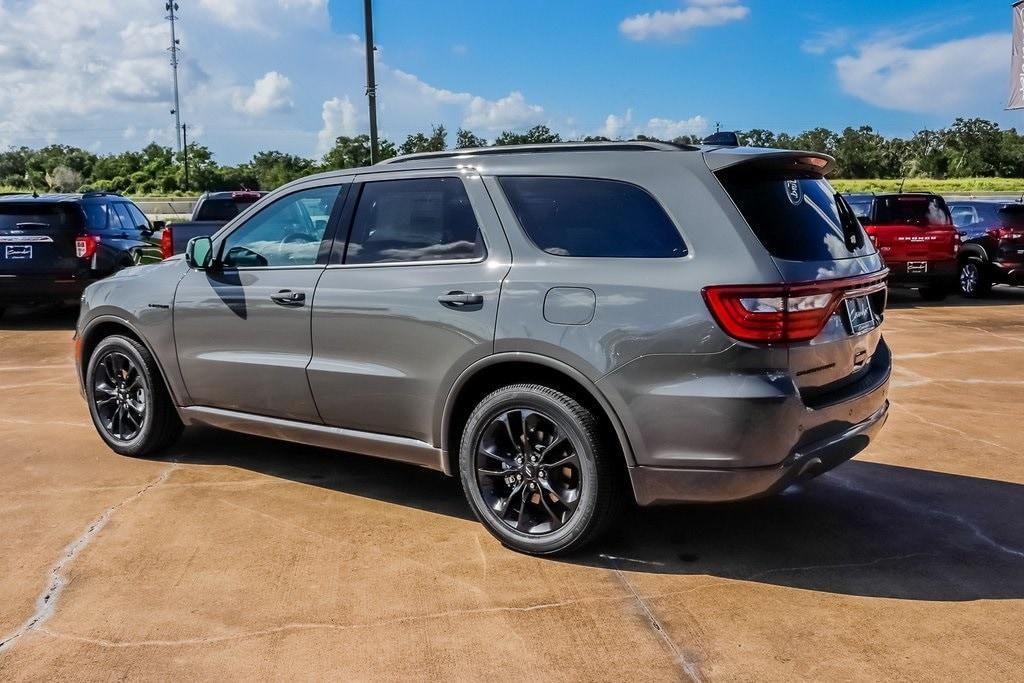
{"points": [[171, 8]]}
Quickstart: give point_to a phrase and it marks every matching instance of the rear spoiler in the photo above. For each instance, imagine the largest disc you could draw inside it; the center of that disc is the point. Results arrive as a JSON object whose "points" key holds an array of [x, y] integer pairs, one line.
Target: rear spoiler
{"points": [[728, 157]]}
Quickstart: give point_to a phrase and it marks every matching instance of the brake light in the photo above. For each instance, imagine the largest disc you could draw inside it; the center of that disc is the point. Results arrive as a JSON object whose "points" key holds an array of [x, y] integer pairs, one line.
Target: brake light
{"points": [[784, 313], [167, 242], [85, 246], [1006, 233]]}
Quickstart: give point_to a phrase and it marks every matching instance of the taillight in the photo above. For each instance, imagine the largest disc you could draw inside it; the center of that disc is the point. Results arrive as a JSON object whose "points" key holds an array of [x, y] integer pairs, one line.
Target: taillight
{"points": [[85, 246], [1007, 233], [166, 243], [785, 312]]}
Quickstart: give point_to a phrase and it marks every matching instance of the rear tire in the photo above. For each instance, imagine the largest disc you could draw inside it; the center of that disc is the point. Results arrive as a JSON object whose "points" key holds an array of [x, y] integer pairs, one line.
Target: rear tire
{"points": [[538, 470], [975, 279], [129, 404]]}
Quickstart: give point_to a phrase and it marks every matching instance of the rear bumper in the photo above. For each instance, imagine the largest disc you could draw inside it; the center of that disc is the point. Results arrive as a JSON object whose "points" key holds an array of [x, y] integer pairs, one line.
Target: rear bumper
{"points": [[654, 485], [938, 273], [34, 289], [1008, 272]]}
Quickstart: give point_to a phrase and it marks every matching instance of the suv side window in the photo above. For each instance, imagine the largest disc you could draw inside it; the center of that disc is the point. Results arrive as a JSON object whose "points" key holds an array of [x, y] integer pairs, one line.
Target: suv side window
{"points": [[592, 217], [140, 218], [127, 221], [285, 233], [419, 219]]}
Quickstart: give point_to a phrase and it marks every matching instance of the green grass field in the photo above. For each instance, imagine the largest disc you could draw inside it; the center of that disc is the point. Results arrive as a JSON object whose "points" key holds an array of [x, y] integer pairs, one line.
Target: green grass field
{"points": [[938, 186]]}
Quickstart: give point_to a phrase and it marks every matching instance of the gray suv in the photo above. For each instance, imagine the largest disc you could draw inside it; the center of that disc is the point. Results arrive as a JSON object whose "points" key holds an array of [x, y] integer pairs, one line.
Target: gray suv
{"points": [[561, 326]]}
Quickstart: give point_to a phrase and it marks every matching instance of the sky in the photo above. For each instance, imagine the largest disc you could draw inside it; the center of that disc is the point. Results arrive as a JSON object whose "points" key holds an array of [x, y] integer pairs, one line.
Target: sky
{"points": [[290, 74]]}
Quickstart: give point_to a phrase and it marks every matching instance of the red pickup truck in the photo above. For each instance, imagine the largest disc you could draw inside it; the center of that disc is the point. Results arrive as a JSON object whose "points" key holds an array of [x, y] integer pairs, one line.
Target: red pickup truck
{"points": [[914, 233]]}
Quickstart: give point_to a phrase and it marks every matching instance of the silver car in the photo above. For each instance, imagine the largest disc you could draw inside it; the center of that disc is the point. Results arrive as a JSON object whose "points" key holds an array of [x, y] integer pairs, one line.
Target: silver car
{"points": [[564, 327]]}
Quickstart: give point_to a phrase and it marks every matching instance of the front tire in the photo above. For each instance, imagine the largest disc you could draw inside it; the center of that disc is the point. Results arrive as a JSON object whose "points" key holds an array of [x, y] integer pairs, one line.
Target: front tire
{"points": [[975, 280], [537, 470], [130, 407]]}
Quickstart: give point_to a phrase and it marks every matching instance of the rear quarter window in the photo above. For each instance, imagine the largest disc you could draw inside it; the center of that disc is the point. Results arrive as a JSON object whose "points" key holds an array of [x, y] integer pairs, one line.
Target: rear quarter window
{"points": [[797, 217], [590, 217]]}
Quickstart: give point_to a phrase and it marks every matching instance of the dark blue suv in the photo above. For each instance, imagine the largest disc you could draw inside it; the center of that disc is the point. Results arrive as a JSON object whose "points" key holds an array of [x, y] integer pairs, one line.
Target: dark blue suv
{"points": [[52, 246]]}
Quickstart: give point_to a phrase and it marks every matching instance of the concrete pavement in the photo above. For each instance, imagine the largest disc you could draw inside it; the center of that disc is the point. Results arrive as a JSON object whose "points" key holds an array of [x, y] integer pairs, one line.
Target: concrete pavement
{"points": [[239, 558]]}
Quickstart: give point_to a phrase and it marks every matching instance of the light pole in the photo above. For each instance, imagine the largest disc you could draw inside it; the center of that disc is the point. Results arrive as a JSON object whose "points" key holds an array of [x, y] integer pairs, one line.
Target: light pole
{"points": [[371, 84], [171, 8]]}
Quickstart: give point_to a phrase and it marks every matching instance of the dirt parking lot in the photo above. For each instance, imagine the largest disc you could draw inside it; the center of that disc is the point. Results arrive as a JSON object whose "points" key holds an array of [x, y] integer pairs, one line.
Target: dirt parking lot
{"points": [[238, 558]]}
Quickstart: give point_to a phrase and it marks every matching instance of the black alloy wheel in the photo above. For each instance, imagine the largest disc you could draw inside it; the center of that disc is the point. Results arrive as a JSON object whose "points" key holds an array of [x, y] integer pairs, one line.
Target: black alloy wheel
{"points": [[129, 404], [119, 395], [539, 468], [528, 471]]}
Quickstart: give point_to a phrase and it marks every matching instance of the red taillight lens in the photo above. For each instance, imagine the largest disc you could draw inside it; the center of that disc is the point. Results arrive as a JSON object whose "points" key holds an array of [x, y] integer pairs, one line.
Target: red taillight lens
{"points": [[1007, 233], [166, 242], [85, 246], [783, 313]]}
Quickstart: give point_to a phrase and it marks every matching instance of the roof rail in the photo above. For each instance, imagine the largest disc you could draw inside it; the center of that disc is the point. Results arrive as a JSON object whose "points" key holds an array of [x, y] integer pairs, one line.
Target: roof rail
{"points": [[638, 146], [100, 193]]}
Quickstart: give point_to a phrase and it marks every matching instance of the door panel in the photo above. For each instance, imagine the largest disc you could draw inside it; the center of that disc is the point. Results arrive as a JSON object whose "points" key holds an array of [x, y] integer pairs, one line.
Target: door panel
{"points": [[242, 328], [240, 350], [385, 348]]}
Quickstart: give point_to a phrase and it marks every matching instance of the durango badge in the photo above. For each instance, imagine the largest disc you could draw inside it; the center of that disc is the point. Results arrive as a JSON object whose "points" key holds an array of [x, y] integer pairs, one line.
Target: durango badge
{"points": [[793, 191]]}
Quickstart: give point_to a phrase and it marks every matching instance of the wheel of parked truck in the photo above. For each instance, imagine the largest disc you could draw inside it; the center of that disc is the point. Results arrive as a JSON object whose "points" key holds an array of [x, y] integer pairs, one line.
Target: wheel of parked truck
{"points": [[934, 293], [975, 280], [129, 404], [537, 469]]}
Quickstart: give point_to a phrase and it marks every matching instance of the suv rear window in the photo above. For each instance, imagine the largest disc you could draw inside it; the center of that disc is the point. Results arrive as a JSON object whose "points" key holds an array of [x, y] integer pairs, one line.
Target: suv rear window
{"points": [[912, 210], [797, 217], [36, 215], [592, 217], [222, 209]]}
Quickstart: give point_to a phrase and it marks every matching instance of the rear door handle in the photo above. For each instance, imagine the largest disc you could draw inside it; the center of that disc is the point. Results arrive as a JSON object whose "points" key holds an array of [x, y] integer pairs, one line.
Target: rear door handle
{"points": [[458, 298], [287, 297]]}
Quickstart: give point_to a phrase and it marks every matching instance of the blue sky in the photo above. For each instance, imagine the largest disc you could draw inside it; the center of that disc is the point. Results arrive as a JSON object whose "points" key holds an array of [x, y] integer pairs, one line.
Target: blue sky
{"points": [[288, 74]]}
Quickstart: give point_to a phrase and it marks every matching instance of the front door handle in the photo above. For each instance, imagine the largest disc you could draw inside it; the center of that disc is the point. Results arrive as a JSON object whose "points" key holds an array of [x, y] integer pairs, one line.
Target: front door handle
{"points": [[458, 298], [287, 297]]}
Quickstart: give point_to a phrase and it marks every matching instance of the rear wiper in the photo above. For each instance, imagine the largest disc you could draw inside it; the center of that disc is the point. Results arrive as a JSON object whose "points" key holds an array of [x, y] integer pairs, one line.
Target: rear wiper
{"points": [[31, 224], [852, 232]]}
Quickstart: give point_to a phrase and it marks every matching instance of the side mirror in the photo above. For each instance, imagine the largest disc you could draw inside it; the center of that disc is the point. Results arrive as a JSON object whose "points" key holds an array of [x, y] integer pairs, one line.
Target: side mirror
{"points": [[145, 231], [159, 225], [199, 253]]}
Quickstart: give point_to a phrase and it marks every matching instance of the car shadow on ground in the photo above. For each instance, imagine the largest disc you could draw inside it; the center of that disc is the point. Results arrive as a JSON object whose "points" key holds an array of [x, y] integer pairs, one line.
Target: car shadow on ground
{"points": [[865, 529], [1001, 295], [39, 318]]}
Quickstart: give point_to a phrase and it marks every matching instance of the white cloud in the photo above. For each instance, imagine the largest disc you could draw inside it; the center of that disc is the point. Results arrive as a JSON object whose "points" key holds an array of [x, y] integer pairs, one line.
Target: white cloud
{"points": [[269, 94], [826, 41], [340, 118], [102, 70], [664, 25], [615, 125], [939, 79], [669, 129], [512, 111]]}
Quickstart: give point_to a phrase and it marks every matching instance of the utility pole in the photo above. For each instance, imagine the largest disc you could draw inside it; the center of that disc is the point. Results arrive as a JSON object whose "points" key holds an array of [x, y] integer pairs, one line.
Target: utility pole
{"points": [[184, 137], [371, 83], [171, 6]]}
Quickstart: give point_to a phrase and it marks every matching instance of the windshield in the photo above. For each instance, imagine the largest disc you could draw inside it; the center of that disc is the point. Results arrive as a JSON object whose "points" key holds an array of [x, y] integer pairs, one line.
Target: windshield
{"points": [[796, 217], [913, 210]]}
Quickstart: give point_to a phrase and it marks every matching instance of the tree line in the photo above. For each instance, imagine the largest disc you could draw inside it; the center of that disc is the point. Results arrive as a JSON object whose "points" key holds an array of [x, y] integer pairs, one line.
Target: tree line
{"points": [[967, 148]]}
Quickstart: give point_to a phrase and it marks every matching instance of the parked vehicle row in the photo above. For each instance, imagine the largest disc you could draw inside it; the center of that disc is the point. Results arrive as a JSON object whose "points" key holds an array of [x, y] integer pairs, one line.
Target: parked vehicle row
{"points": [[53, 246], [211, 212], [560, 326], [993, 250]]}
